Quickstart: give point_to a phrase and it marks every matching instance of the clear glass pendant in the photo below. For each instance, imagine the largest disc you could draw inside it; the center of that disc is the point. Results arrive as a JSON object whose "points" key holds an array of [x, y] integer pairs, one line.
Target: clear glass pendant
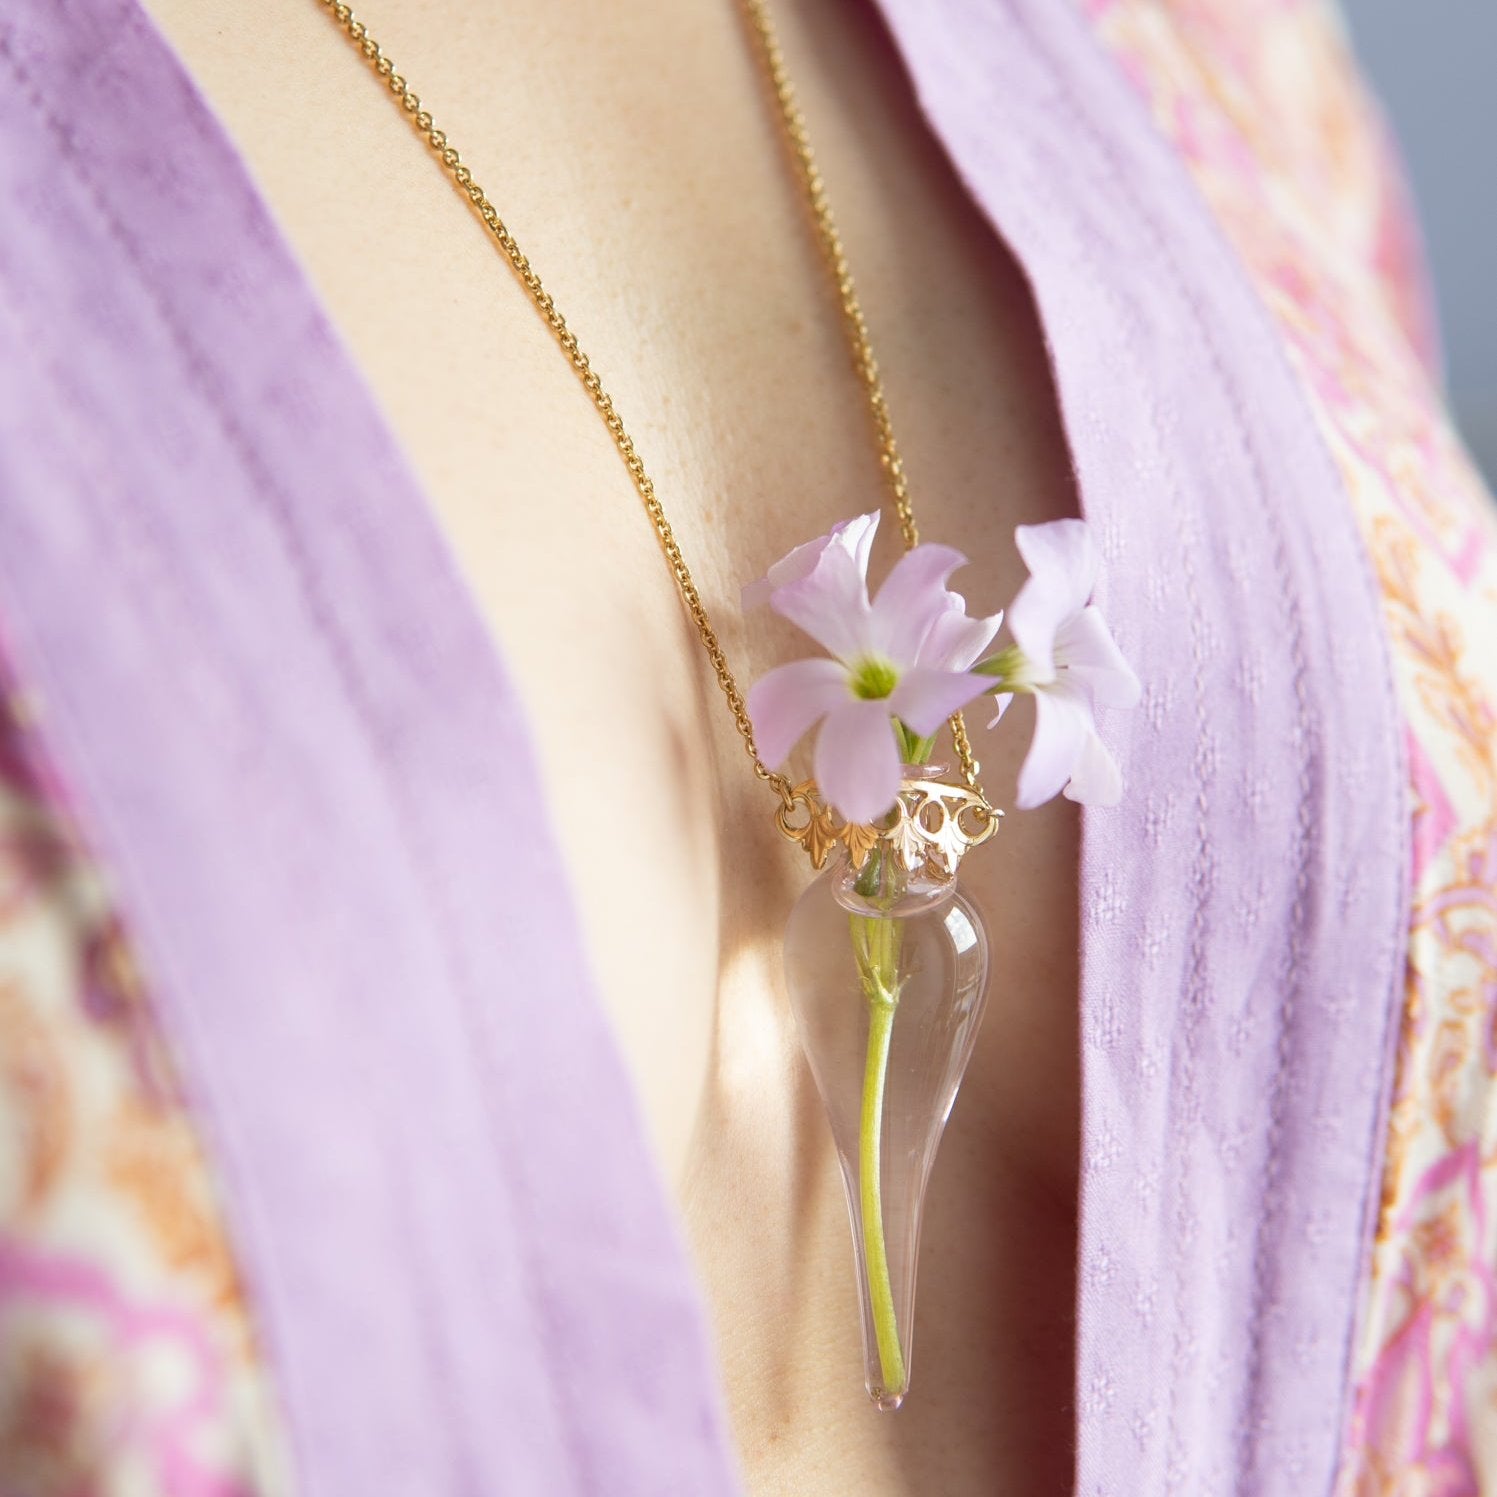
{"points": [[887, 968]]}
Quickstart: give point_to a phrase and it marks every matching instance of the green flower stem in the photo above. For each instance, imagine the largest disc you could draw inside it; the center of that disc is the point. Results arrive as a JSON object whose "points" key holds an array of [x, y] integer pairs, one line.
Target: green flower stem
{"points": [[877, 942], [881, 987]]}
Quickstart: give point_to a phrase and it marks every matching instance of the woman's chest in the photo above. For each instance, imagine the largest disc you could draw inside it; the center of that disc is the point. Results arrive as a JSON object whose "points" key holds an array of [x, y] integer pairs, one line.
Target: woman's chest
{"points": [[687, 268], [681, 252]]}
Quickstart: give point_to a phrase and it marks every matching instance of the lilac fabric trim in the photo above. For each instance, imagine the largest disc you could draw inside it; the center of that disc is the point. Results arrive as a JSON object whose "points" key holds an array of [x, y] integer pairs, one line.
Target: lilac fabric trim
{"points": [[304, 765], [1245, 911]]}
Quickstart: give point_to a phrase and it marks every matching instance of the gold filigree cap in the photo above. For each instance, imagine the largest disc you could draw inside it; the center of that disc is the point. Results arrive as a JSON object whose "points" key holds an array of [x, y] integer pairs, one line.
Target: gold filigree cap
{"points": [[929, 830]]}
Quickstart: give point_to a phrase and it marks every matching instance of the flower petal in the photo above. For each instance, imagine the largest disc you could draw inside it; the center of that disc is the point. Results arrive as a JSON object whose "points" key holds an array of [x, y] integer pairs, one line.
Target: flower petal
{"points": [[857, 535], [831, 604], [857, 760], [1034, 619], [1095, 777], [1062, 723], [1062, 566], [924, 698], [854, 536], [786, 702], [913, 596], [1003, 702], [955, 641], [1062, 556], [1087, 652]]}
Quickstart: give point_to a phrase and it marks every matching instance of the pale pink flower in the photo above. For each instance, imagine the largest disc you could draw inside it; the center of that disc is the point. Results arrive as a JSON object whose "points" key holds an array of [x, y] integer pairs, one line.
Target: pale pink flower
{"points": [[1069, 660], [906, 655]]}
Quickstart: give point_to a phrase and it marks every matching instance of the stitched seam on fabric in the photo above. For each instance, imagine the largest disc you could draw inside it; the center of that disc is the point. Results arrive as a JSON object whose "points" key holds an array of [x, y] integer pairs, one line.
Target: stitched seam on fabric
{"points": [[1202, 869], [88, 806], [1196, 997], [1310, 409], [1388, 1078], [1249, 1451], [323, 620], [113, 35], [1303, 817], [434, 881], [202, 1105], [208, 391], [1386, 692], [1401, 957], [85, 806], [1201, 882]]}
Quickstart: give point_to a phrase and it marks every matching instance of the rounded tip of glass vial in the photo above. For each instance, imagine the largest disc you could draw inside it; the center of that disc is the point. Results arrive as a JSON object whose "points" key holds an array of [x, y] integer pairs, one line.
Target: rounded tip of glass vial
{"points": [[885, 1401]]}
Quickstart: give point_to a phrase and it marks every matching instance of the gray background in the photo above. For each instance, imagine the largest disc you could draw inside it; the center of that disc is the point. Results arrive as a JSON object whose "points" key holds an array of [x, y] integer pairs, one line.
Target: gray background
{"points": [[1434, 64]]}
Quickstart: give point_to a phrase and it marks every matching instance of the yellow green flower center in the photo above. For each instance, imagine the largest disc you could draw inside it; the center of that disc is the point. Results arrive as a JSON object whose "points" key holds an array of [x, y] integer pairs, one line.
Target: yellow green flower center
{"points": [[874, 679]]}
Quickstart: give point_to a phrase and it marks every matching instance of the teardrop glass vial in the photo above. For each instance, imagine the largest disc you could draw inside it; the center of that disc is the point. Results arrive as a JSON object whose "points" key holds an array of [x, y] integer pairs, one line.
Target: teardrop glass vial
{"points": [[887, 975]]}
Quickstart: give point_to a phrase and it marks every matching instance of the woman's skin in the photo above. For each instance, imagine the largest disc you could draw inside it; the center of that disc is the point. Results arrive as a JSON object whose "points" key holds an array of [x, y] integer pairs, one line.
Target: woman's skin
{"points": [[633, 151]]}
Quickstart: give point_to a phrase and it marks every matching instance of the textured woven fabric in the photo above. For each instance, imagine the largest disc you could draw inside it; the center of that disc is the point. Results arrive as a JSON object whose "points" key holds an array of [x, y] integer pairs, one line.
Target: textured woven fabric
{"points": [[295, 707], [1275, 129]]}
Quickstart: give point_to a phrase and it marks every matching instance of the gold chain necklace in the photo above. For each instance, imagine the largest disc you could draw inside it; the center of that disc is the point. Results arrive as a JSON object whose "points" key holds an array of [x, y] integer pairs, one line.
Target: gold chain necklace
{"points": [[885, 930], [888, 914], [854, 321]]}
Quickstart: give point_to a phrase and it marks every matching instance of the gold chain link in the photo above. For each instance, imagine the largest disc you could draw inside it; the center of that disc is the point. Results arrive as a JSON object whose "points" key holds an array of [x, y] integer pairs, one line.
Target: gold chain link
{"points": [[856, 325]]}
